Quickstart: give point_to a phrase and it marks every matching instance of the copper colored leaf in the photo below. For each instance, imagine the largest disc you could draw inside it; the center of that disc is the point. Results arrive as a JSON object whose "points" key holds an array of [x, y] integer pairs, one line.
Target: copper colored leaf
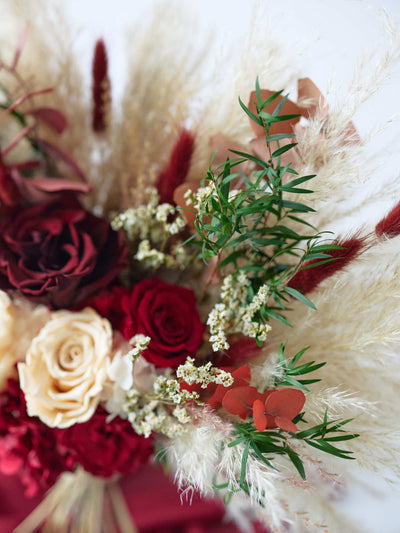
{"points": [[23, 133], [239, 400], [27, 96], [53, 118], [20, 47], [285, 424], [260, 418], [285, 403], [59, 154]]}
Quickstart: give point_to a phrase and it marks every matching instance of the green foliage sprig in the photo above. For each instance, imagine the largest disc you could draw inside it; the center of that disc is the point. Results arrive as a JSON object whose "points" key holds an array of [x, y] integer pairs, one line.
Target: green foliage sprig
{"points": [[266, 445], [251, 229], [288, 372]]}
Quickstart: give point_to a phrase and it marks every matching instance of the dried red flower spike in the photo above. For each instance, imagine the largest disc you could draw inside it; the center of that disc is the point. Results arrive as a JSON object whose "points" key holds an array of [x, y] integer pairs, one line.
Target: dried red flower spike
{"points": [[177, 168], [307, 280], [390, 225], [100, 88]]}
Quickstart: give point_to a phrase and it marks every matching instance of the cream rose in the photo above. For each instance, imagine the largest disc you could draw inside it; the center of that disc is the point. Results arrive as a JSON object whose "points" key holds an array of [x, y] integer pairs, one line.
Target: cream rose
{"points": [[65, 368], [7, 359]]}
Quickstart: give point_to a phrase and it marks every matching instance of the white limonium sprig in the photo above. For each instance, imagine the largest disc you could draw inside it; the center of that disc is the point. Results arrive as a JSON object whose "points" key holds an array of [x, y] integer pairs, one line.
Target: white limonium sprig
{"points": [[203, 375], [152, 225], [164, 409], [140, 343], [170, 391], [200, 197], [231, 316]]}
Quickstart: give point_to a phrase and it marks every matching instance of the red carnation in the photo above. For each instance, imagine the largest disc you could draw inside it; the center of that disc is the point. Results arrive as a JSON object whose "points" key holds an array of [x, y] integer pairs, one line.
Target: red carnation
{"points": [[27, 446], [103, 447], [59, 253]]}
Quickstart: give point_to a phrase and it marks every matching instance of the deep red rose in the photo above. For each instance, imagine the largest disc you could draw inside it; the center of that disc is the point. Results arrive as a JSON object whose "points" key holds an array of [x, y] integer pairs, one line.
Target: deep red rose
{"points": [[105, 448], [113, 304], [168, 315], [27, 446], [58, 253]]}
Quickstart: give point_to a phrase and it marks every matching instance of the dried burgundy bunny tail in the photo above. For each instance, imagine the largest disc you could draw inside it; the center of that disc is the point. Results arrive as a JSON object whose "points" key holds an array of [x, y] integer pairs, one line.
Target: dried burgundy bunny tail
{"points": [[100, 88], [390, 225], [307, 280], [178, 166]]}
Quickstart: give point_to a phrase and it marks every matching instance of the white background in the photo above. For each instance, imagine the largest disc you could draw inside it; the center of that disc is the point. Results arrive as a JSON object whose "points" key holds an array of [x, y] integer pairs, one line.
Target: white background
{"points": [[332, 36]]}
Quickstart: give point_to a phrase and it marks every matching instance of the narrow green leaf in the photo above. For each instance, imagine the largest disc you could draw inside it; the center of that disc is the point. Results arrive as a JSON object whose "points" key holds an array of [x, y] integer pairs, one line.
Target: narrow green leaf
{"points": [[258, 93], [252, 157], [283, 149], [253, 117], [279, 136], [299, 296], [244, 463], [299, 181], [271, 99], [297, 357], [296, 206], [297, 462], [277, 317], [271, 118]]}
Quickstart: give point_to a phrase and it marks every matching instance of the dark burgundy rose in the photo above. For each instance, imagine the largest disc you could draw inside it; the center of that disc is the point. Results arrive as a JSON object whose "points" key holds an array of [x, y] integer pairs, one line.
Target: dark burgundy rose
{"points": [[58, 253], [27, 446], [105, 448], [168, 315]]}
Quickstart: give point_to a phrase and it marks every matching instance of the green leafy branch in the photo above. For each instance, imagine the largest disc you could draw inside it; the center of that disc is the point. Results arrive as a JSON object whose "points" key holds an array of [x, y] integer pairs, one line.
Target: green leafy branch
{"points": [[269, 443], [249, 229], [288, 372]]}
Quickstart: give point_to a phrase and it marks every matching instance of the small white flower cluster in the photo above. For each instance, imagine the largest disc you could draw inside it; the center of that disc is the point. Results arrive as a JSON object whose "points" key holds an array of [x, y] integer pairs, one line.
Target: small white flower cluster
{"points": [[231, 316], [140, 343], [152, 411], [204, 374], [170, 390], [149, 224], [148, 416], [200, 197], [153, 258]]}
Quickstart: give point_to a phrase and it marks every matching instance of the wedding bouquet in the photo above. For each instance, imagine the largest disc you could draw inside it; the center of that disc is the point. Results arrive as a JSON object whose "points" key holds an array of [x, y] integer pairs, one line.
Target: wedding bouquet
{"points": [[177, 290]]}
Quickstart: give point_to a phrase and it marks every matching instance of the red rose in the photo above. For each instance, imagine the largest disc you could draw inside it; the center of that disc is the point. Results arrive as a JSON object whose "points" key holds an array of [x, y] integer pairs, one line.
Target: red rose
{"points": [[105, 448], [58, 253], [27, 446], [113, 304], [168, 315], [165, 313]]}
